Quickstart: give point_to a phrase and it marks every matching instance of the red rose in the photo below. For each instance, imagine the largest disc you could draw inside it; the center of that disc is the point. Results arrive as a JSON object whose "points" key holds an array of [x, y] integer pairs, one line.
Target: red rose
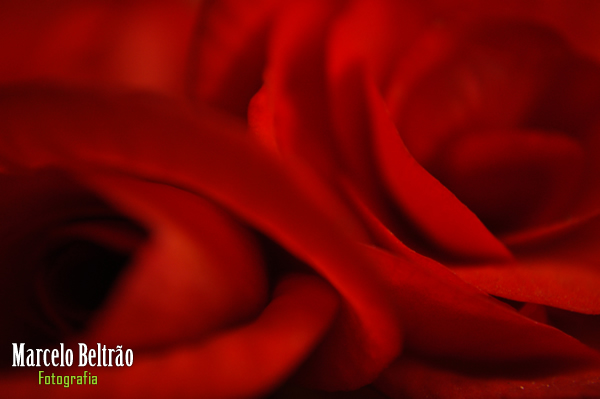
{"points": [[134, 221], [466, 132], [411, 213], [184, 198]]}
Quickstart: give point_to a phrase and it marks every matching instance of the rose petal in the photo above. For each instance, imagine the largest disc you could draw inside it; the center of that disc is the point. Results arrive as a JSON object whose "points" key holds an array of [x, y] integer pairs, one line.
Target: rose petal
{"points": [[585, 328], [547, 87], [515, 179], [144, 138], [485, 76], [302, 129], [290, 112], [294, 87], [564, 285], [42, 214], [562, 273], [574, 20], [374, 34], [417, 378], [199, 261], [445, 317], [247, 361], [429, 205], [229, 52], [544, 233], [366, 36], [296, 392], [139, 44]]}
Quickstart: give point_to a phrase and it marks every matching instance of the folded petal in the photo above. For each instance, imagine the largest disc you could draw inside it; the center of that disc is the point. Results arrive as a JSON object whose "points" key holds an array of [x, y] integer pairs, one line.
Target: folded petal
{"points": [[51, 225], [229, 52], [157, 141], [549, 282], [417, 378], [562, 272], [294, 97], [198, 261], [434, 210], [445, 317], [246, 361]]}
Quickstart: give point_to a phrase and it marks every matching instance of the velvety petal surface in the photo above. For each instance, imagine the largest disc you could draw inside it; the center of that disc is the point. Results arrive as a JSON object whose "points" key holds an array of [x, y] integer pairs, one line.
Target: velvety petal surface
{"points": [[429, 205], [230, 169], [293, 102], [414, 378], [50, 226], [246, 361], [230, 52], [574, 20], [563, 274], [199, 261], [141, 44], [446, 317], [483, 81]]}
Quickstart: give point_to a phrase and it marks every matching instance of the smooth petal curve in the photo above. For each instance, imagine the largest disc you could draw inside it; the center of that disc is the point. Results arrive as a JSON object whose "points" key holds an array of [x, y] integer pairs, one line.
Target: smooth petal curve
{"points": [[46, 216], [416, 378], [367, 36], [446, 317], [562, 273], [247, 361], [294, 87], [434, 209], [574, 20], [229, 52], [544, 86], [549, 282], [512, 179], [275, 197], [199, 261]]}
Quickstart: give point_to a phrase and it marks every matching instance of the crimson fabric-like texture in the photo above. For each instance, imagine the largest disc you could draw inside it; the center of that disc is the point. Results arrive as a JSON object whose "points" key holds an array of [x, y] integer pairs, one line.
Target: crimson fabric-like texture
{"points": [[303, 198]]}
